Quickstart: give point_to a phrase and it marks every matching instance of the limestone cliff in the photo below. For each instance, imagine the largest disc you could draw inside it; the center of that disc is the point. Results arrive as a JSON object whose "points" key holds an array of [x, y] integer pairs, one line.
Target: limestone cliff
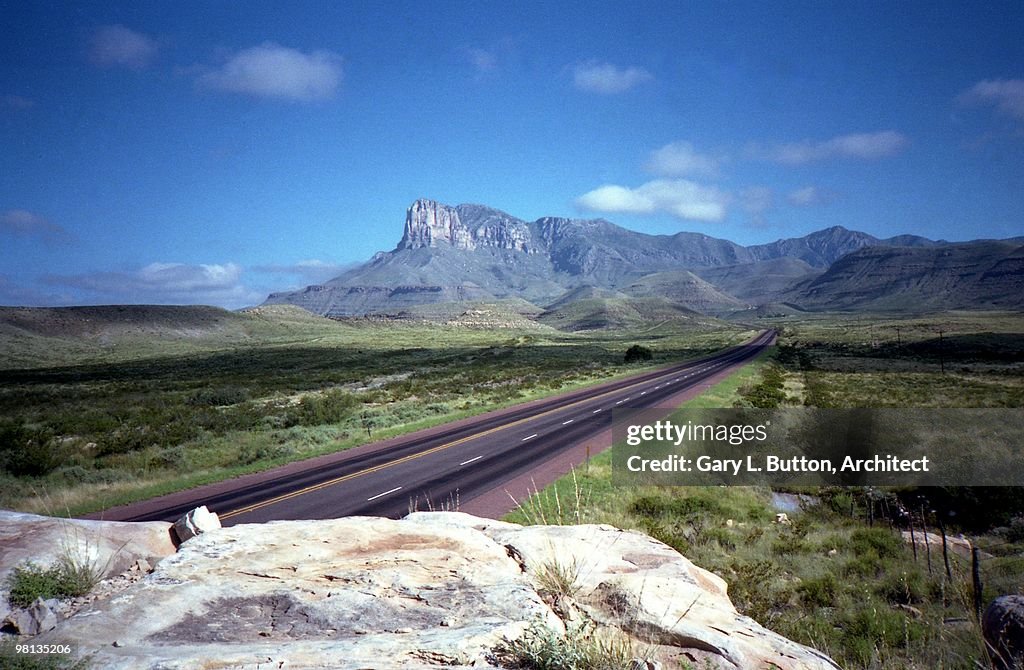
{"points": [[468, 227]]}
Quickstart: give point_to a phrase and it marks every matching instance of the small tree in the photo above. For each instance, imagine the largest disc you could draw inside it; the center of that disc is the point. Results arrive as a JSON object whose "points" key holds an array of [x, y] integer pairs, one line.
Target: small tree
{"points": [[638, 353]]}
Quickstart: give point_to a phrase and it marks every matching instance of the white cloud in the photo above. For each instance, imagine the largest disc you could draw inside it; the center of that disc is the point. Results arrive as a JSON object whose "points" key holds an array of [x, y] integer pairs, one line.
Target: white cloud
{"points": [[862, 146], [24, 223], [1006, 94], [808, 196], [678, 197], [163, 283], [273, 71], [117, 46], [607, 79], [680, 158]]}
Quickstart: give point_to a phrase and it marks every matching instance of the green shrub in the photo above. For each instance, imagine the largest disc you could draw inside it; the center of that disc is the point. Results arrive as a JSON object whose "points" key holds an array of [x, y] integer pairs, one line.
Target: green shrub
{"points": [[769, 392], [722, 536], [903, 588], [819, 592], [753, 588], [29, 452], [251, 454], [331, 406], [880, 542], [65, 579], [219, 396], [881, 627], [540, 648], [637, 353], [683, 508]]}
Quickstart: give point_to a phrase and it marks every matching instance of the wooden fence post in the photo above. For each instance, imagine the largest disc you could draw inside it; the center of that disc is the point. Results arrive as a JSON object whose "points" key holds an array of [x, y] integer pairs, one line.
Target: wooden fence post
{"points": [[976, 575], [945, 550]]}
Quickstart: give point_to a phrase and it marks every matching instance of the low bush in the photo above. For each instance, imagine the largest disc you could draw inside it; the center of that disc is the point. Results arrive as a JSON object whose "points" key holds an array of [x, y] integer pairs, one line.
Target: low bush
{"points": [[820, 591], [540, 648], [219, 396], [65, 579], [28, 452], [638, 353]]}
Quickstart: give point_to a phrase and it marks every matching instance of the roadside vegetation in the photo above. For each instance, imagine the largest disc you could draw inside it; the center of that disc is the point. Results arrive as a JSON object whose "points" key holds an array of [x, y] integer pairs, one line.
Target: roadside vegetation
{"points": [[839, 575], [137, 421]]}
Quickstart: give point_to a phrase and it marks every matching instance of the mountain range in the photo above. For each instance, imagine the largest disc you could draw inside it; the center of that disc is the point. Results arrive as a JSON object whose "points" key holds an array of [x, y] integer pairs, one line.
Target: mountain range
{"points": [[473, 253]]}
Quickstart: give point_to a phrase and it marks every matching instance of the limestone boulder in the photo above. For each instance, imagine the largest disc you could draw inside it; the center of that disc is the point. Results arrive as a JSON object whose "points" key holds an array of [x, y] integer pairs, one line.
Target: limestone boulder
{"points": [[197, 521], [36, 618], [433, 590], [930, 540], [108, 546], [631, 582], [345, 593], [1003, 628]]}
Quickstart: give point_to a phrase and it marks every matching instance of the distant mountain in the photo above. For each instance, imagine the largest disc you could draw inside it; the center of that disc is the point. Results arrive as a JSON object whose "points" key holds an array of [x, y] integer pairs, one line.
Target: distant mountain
{"points": [[824, 247], [684, 288], [477, 253], [45, 336], [614, 313], [761, 281], [970, 275]]}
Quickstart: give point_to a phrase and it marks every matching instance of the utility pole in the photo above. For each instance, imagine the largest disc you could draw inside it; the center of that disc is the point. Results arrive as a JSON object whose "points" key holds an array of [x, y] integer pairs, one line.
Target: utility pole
{"points": [[899, 342]]}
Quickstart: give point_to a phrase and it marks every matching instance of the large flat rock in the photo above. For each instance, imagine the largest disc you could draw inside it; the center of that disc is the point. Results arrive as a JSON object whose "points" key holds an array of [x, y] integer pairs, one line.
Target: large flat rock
{"points": [[432, 590], [110, 547]]}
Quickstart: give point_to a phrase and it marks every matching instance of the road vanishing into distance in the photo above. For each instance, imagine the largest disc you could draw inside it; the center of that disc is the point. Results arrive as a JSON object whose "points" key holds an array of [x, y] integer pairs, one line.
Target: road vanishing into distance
{"points": [[447, 466]]}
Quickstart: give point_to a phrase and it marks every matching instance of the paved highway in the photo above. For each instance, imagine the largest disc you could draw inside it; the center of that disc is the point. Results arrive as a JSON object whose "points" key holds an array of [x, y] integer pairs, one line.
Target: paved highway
{"points": [[441, 467]]}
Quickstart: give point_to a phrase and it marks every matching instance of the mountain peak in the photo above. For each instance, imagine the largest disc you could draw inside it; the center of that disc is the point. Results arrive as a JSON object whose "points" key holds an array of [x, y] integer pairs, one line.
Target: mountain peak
{"points": [[429, 223]]}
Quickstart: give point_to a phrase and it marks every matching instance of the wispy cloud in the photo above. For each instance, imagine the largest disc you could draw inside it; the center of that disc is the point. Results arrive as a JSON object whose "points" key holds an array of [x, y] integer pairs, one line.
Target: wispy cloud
{"points": [[118, 46], [681, 198], [680, 158], [809, 196], [311, 271], [483, 60], [861, 146], [23, 223], [164, 283], [273, 71], [17, 292], [16, 102], [608, 79], [757, 201], [1007, 95]]}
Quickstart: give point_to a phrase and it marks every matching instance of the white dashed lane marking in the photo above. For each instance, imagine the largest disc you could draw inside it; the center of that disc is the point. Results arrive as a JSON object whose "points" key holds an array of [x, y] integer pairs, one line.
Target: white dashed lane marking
{"points": [[381, 495]]}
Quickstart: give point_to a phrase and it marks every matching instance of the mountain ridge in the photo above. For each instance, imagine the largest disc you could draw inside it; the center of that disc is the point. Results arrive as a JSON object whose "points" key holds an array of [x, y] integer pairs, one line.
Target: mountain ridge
{"points": [[473, 252]]}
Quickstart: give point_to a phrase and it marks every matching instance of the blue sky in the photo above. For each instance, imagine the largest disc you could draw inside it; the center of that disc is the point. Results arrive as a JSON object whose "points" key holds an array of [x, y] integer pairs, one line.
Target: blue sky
{"points": [[211, 152]]}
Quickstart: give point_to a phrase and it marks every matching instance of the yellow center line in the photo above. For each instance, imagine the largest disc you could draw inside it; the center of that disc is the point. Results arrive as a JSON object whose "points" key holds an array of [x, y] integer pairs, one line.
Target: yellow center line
{"points": [[419, 454]]}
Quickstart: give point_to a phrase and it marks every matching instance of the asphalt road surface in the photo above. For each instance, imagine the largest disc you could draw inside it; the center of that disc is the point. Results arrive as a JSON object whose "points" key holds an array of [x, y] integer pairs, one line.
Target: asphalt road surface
{"points": [[443, 467]]}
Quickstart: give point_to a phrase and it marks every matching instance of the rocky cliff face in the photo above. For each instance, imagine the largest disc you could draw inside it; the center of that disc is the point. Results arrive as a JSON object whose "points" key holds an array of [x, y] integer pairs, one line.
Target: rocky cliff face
{"points": [[485, 254], [432, 590], [468, 227]]}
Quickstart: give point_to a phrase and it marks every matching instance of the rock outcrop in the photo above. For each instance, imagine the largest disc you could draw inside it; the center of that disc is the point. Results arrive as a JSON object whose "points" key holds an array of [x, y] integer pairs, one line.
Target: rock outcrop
{"points": [[1003, 628], [432, 224], [109, 547], [196, 522], [432, 590]]}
